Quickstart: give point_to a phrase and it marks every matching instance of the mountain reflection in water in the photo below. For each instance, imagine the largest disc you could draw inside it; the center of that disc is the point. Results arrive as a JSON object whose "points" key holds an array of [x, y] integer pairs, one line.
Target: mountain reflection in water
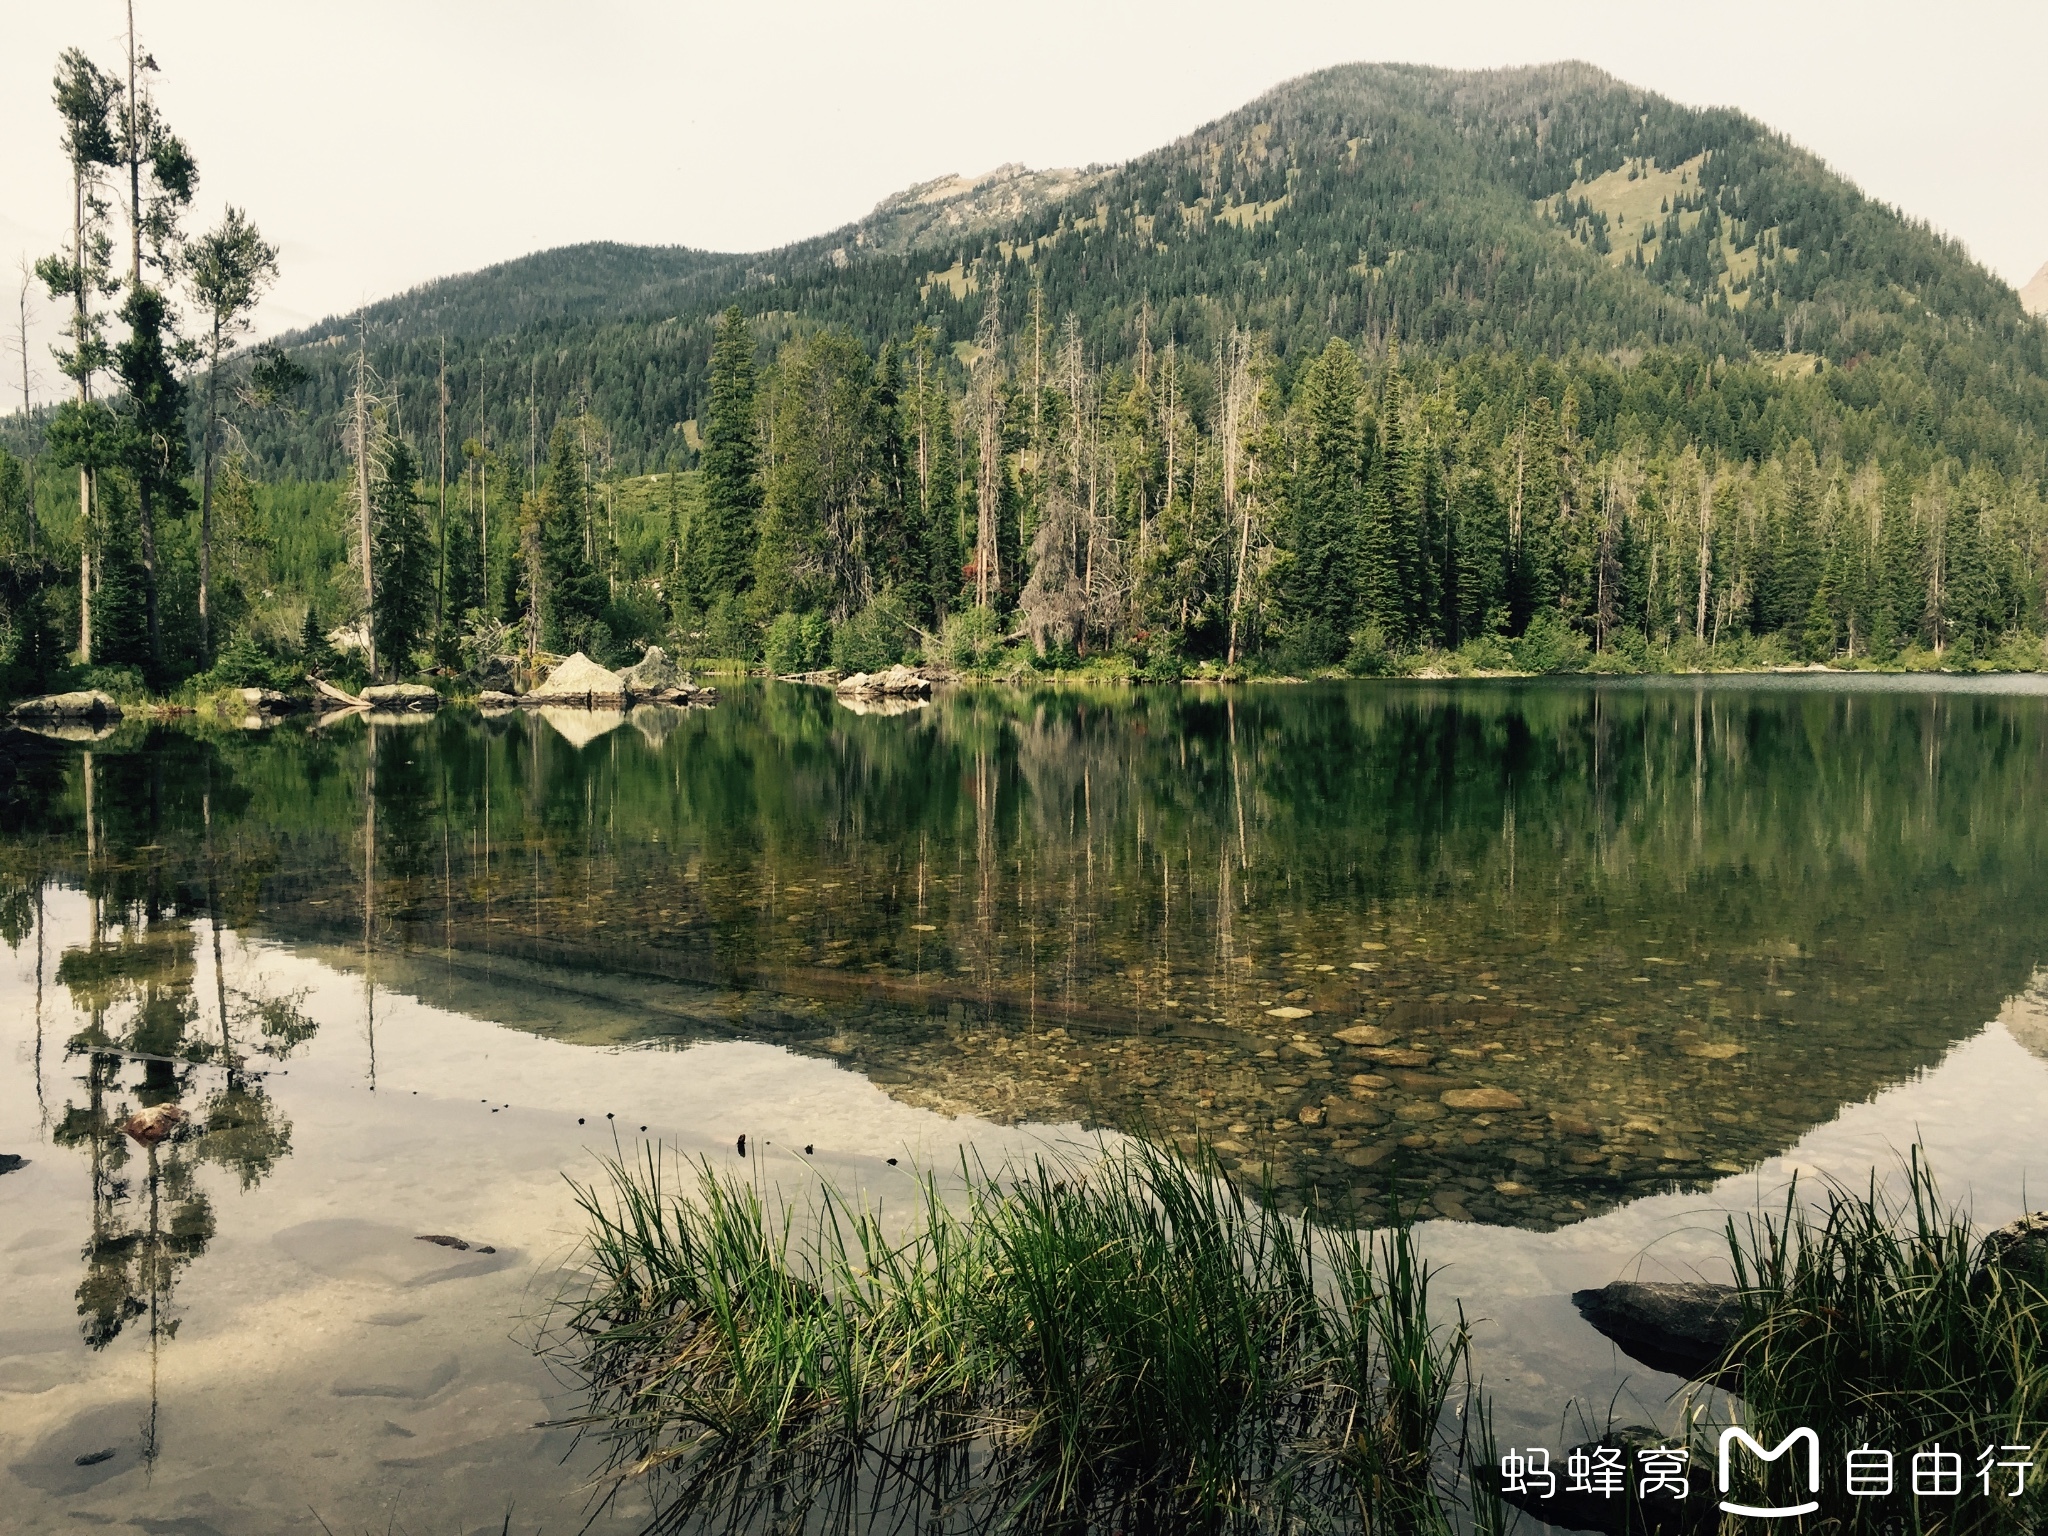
{"points": [[1514, 953]]}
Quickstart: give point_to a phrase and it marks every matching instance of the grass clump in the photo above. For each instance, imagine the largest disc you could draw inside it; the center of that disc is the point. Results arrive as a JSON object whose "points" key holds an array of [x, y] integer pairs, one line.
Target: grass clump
{"points": [[1882, 1321], [1129, 1345]]}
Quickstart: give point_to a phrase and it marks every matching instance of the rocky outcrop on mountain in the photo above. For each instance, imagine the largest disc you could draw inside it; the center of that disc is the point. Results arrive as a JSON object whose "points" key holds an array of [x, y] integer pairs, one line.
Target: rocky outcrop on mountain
{"points": [[2034, 297]]}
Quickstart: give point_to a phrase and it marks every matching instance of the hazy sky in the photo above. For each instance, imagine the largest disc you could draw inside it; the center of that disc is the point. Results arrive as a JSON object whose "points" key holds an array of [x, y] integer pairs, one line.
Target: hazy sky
{"points": [[381, 144]]}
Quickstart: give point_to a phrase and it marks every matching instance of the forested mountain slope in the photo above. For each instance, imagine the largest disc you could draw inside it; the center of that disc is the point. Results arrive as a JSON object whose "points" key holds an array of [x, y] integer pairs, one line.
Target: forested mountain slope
{"points": [[1549, 210]]}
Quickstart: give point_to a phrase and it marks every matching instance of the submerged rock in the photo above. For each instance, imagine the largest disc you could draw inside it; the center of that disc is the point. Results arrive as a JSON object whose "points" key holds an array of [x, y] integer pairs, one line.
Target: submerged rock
{"points": [[1482, 1098], [152, 1125], [87, 704], [1683, 1327], [413, 698], [579, 683], [10, 1161]]}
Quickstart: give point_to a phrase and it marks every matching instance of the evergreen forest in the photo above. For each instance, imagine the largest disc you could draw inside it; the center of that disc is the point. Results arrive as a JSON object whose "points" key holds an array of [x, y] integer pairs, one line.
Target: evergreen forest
{"points": [[1393, 369]]}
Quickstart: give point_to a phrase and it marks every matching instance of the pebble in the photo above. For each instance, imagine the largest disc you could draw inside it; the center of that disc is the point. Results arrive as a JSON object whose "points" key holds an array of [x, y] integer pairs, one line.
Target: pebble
{"points": [[1482, 1098]]}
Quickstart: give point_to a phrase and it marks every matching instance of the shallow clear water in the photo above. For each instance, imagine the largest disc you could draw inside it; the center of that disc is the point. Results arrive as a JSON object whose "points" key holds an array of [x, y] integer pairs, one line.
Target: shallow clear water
{"points": [[1563, 970]]}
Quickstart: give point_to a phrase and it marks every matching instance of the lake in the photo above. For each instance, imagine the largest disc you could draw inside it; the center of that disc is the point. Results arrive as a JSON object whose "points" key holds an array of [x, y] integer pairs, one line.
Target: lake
{"points": [[1562, 971]]}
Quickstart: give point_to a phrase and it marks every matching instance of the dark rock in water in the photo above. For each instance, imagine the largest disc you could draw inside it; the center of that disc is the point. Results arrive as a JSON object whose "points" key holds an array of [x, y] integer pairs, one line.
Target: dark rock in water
{"points": [[268, 701], [1683, 1327], [1623, 1512], [807, 1149], [94, 1458], [442, 1238], [2019, 1247], [743, 1143], [9, 1161]]}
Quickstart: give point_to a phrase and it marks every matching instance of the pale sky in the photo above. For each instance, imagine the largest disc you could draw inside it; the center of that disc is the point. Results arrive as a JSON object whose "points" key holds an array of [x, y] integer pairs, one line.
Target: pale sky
{"points": [[382, 144]]}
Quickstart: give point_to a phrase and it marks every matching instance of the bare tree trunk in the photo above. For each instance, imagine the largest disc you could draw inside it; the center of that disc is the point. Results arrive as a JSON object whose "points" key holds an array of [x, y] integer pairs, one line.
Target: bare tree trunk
{"points": [[441, 531], [361, 428], [1706, 556], [21, 335], [1234, 400], [988, 399], [206, 495]]}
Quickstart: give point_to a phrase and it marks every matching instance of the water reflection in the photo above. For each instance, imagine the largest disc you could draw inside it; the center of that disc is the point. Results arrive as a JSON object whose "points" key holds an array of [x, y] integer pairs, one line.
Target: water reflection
{"points": [[166, 1080], [1516, 954]]}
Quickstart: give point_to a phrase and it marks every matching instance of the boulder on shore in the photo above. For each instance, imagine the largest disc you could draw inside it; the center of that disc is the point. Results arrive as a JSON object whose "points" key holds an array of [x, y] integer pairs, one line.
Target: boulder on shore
{"points": [[88, 704], [491, 698], [402, 698], [653, 676], [268, 701], [578, 683], [898, 682], [2020, 1247], [1683, 1327]]}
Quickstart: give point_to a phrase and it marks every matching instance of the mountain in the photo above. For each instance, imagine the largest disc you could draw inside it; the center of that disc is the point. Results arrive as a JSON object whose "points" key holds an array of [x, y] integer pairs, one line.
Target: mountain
{"points": [[1548, 210], [2034, 297]]}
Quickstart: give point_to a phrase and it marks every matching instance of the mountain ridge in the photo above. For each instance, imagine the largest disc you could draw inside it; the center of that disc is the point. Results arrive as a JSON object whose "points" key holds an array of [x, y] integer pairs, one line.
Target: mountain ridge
{"points": [[1448, 211]]}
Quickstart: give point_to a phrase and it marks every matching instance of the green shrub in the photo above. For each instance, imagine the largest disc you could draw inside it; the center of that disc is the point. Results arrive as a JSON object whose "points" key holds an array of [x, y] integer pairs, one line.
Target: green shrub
{"points": [[971, 638], [729, 634], [874, 639], [1550, 644], [1370, 654], [243, 663], [124, 684], [1486, 653], [2017, 651], [797, 642]]}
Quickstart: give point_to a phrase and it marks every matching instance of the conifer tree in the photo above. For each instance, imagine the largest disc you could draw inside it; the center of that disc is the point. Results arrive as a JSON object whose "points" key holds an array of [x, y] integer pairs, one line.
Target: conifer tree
{"points": [[79, 435], [1328, 557], [571, 593], [722, 545], [402, 545], [152, 441], [229, 268]]}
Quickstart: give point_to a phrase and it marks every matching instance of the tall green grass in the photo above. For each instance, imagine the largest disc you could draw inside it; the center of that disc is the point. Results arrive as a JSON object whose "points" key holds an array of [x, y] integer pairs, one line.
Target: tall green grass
{"points": [[1127, 1344], [1881, 1320]]}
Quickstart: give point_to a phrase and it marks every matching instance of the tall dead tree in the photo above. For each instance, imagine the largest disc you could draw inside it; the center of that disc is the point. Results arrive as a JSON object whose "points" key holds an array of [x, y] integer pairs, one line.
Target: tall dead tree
{"points": [[362, 435], [1240, 426], [28, 276], [988, 412]]}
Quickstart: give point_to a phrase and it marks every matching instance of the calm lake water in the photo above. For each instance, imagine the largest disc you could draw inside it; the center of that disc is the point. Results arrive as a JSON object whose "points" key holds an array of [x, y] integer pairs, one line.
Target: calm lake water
{"points": [[1563, 971]]}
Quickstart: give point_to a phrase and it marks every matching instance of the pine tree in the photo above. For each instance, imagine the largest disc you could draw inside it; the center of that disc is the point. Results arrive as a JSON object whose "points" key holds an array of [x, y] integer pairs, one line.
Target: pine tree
{"points": [[572, 593], [1326, 511], [402, 546], [152, 442], [1482, 545], [722, 545]]}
